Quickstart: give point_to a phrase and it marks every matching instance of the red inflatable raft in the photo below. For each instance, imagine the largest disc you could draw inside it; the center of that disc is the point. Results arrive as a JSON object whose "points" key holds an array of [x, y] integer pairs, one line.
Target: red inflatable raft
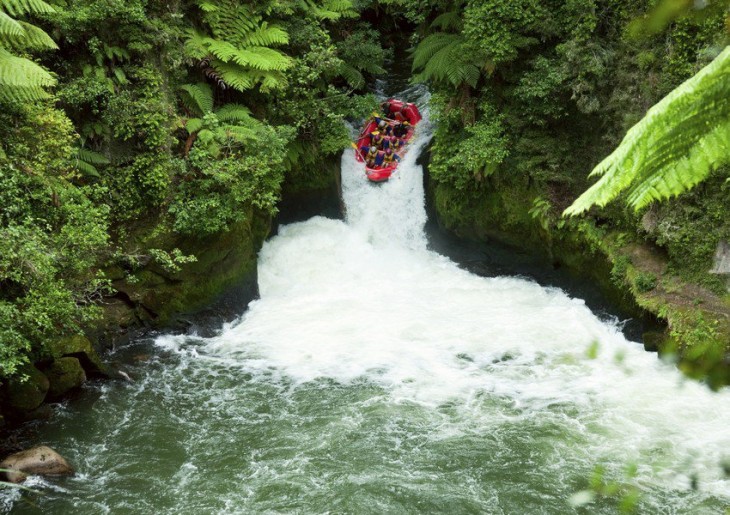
{"points": [[400, 111]]}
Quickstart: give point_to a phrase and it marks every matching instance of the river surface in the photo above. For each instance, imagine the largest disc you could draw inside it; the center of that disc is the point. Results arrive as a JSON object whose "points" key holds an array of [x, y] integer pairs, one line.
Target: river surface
{"points": [[376, 376]]}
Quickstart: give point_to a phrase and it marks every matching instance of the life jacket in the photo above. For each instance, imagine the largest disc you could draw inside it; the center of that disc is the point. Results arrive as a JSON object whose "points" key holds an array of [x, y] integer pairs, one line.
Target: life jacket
{"points": [[371, 157], [376, 138], [386, 142], [379, 158], [388, 130], [388, 159], [396, 143]]}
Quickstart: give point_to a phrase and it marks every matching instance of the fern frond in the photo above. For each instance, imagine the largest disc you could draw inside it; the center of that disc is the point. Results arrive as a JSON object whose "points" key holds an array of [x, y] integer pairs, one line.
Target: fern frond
{"points": [[198, 97], [10, 27], [22, 73], [233, 113], [89, 156], [240, 134], [331, 10], [352, 75], [271, 81], [33, 38], [265, 35], [195, 45], [193, 125], [20, 7], [676, 145], [87, 169], [20, 95], [207, 7], [259, 58], [431, 45], [448, 21], [234, 75]]}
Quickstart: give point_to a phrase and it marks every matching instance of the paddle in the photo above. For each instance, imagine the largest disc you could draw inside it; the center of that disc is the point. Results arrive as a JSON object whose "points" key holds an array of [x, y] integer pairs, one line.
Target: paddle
{"points": [[358, 151]]}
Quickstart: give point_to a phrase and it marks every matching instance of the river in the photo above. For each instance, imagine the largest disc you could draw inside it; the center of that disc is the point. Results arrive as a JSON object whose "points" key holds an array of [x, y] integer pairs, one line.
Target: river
{"points": [[374, 375]]}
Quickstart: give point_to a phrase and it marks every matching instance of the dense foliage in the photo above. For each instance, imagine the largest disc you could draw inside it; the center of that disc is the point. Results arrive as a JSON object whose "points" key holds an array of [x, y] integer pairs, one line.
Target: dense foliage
{"points": [[179, 118]]}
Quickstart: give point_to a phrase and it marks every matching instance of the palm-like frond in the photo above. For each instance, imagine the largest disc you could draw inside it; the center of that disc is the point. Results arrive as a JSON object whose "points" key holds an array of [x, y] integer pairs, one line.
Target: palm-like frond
{"points": [[193, 125], [266, 35], [450, 20], [21, 7], [431, 45], [198, 97], [234, 113], [234, 75], [329, 9], [442, 57], [85, 161], [32, 38], [256, 57], [352, 75], [240, 134], [10, 27], [679, 142], [22, 79], [195, 45]]}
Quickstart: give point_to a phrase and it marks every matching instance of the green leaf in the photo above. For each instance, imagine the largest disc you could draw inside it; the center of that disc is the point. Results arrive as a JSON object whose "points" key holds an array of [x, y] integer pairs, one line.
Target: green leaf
{"points": [[198, 97], [679, 142]]}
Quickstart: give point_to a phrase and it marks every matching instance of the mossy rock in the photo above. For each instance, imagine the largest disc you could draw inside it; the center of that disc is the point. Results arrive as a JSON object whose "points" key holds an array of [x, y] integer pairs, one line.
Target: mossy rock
{"points": [[64, 374], [27, 394], [80, 347]]}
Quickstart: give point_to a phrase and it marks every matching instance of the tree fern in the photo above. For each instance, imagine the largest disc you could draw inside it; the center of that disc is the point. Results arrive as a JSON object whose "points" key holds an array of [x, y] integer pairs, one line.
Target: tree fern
{"points": [[21, 7], [215, 127], [87, 160], [21, 80], [331, 10], [238, 51], [234, 113], [679, 142], [442, 57]]}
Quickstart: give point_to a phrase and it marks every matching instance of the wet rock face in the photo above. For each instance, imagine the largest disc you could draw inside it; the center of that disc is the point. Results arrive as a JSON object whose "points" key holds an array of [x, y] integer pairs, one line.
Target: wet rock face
{"points": [[80, 347], [42, 461], [64, 374], [27, 394]]}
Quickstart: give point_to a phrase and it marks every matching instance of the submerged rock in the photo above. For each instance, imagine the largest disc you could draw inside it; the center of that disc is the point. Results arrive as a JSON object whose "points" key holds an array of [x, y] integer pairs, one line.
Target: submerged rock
{"points": [[28, 389], [64, 375], [41, 460]]}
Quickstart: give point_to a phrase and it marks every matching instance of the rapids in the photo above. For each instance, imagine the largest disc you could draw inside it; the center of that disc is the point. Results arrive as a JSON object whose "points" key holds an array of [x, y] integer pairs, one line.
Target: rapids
{"points": [[374, 375]]}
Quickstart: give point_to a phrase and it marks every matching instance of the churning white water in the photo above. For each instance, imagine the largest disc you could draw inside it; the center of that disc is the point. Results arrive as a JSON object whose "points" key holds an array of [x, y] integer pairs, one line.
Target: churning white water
{"points": [[376, 376], [364, 300]]}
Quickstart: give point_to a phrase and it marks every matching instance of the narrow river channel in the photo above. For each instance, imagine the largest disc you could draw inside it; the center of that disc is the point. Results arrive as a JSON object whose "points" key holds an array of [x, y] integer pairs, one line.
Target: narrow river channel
{"points": [[376, 376]]}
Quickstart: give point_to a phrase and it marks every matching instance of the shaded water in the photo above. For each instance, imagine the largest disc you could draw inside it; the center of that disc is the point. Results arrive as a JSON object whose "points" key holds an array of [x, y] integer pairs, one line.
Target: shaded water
{"points": [[376, 376]]}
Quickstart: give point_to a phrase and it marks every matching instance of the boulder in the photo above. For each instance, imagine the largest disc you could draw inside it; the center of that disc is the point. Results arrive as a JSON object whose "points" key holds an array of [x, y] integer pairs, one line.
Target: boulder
{"points": [[64, 374], [80, 347], [42, 461], [27, 390]]}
